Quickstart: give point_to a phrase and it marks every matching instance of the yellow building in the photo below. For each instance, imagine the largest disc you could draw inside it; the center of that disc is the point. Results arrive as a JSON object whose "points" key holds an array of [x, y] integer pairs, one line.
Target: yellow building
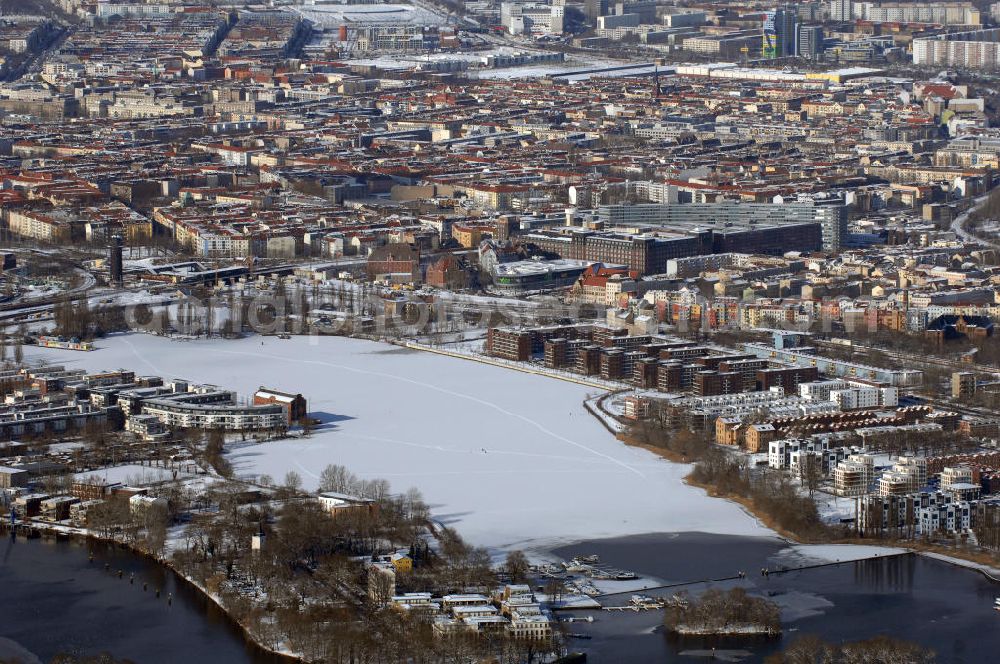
{"points": [[402, 563], [470, 235], [49, 226]]}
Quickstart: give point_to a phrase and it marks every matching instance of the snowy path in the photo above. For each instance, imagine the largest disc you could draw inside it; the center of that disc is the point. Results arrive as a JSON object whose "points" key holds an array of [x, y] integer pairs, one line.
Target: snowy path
{"points": [[510, 459]]}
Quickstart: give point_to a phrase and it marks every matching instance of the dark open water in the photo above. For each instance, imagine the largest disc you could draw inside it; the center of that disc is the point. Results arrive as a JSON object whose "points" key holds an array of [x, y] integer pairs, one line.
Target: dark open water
{"points": [[53, 600], [938, 605]]}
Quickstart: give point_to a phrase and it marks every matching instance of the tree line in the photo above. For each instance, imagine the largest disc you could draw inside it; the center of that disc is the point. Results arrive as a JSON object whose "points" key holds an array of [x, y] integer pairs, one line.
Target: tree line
{"points": [[308, 586], [722, 612]]}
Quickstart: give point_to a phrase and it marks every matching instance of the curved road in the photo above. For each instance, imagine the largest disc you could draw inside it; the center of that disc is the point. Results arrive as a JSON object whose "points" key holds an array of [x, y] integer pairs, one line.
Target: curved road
{"points": [[956, 223]]}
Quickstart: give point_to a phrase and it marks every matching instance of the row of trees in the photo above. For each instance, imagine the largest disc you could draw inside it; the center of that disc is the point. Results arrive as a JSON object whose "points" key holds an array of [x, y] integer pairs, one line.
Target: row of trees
{"points": [[658, 432], [16, 355], [144, 528], [76, 318], [877, 650], [986, 526], [921, 443], [772, 493]]}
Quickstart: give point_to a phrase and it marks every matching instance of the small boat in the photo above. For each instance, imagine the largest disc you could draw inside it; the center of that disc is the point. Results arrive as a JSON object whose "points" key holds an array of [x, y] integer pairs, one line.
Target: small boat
{"points": [[996, 604]]}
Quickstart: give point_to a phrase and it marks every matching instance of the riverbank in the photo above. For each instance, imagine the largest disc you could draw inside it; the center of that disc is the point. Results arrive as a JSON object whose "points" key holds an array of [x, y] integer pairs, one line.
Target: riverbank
{"points": [[751, 508], [284, 655], [990, 572], [71, 585], [523, 367], [976, 561], [57, 531], [664, 453]]}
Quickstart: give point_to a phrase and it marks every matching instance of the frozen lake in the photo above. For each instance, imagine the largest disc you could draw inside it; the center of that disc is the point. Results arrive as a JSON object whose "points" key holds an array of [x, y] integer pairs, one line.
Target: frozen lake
{"points": [[511, 460]]}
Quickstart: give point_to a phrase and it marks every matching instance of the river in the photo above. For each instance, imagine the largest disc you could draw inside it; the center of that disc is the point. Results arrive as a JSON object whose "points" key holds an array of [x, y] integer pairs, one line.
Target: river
{"points": [[940, 606], [54, 600]]}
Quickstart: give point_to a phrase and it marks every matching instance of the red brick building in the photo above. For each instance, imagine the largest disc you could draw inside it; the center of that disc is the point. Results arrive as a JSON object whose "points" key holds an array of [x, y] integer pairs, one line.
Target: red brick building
{"points": [[294, 404]]}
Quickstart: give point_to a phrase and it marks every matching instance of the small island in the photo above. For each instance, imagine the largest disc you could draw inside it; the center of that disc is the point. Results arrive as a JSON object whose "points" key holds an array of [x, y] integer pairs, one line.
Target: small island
{"points": [[722, 613]]}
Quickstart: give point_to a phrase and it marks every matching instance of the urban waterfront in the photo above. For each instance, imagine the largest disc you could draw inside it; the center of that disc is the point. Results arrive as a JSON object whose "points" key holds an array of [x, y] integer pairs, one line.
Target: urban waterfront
{"points": [[88, 609], [940, 606], [949, 609]]}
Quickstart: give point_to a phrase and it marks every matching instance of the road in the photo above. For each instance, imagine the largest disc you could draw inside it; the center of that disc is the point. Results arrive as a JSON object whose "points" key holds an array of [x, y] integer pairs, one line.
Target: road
{"points": [[921, 360], [87, 282], [956, 224], [43, 312]]}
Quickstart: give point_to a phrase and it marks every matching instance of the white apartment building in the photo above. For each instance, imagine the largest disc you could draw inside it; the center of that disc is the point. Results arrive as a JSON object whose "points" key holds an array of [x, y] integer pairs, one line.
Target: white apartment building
{"points": [[820, 390], [780, 452], [920, 513], [976, 49], [530, 625], [908, 475], [232, 417], [952, 475], [855, 397], [854, 475], [850, 394], [140, 504], [948, 517], [106, 10], [958, 481], [941, 13], [530, 17], [916, 468]]}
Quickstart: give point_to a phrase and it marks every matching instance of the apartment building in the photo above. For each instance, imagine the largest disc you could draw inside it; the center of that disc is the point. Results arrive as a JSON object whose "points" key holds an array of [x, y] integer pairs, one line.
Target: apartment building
{"points": [[13, 477], [829, 366], [742, 227], [925, 513], [938, 13], [786, 453], [960, 481], [854, 475], [231, 417], [725, 46], [55, 226], [963, 384], [531, 17], [979, 49], [397, 38], [908, 475], [786, 378]]}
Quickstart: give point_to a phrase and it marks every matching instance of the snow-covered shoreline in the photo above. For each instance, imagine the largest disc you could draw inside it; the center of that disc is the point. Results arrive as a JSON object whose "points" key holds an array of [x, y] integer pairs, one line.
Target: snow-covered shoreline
{"points": [[512, 460], [82, 534]]}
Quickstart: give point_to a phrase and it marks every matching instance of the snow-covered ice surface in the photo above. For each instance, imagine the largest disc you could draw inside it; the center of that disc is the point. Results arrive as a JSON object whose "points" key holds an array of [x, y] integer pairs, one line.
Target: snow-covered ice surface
{"points": [[510, 459], [799, 555], [796, 605]]}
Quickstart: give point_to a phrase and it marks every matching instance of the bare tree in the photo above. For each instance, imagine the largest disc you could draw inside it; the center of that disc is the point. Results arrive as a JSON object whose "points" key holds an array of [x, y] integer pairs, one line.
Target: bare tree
{"points": [[293, 481]]}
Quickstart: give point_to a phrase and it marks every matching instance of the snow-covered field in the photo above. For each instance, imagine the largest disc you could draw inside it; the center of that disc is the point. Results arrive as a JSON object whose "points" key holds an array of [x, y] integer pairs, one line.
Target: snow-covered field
{"points": [[133, 474], [510, 459]]}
